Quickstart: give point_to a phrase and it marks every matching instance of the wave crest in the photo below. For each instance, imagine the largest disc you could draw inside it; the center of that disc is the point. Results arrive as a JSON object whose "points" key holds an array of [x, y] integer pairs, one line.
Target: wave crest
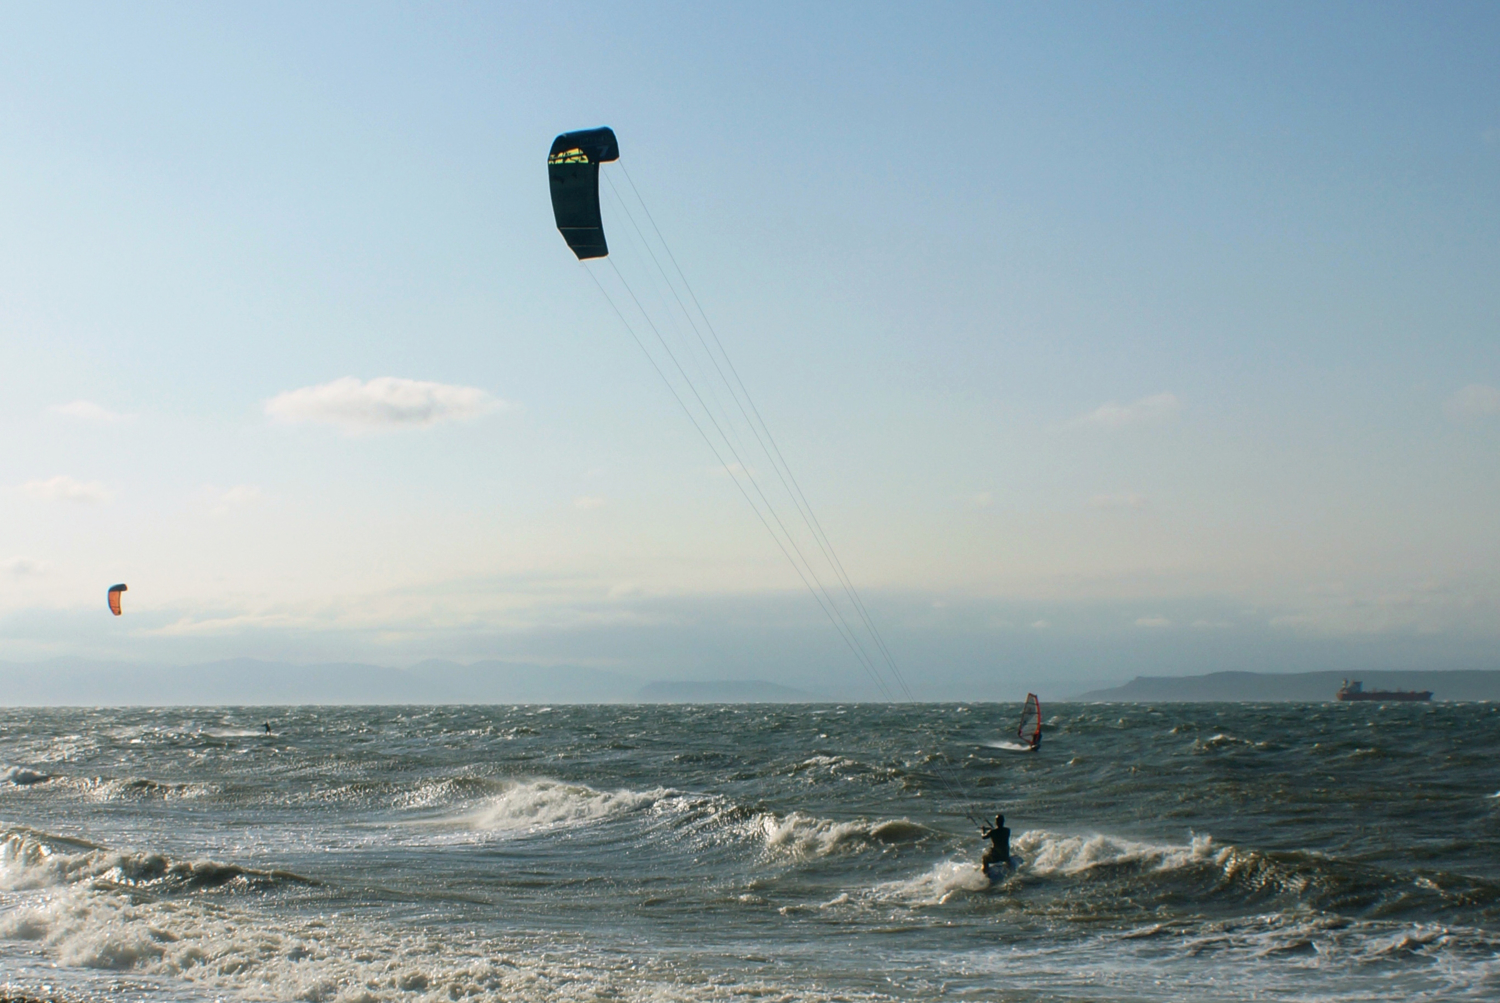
{"points": [[1049, 853], [799, 835], [31, 860], [541, 804]]}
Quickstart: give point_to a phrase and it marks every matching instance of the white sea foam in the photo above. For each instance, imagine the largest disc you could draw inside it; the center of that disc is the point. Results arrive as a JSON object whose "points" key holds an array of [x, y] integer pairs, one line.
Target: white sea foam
{"points": [[1051, 853], [799, 835], [1046, 854], [231, 946], [22, 777], [936, 886], [30, 860], [539, 804]]}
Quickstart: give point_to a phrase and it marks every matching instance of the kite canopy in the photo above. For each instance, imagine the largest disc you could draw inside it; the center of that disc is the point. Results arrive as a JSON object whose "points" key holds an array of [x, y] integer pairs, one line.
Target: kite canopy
{"points": [[573, 170], [114, 598]]}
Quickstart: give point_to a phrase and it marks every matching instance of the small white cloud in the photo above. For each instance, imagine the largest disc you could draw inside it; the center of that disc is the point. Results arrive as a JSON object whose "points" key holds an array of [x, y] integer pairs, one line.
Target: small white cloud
{"points": [[977, 500], [1151, 410], [1153, 622], [382, 404], [1472, 403], [1120, 499], [241, 494], [735, 470], [64, 488], [1040, 624], [222, 500], [585, 502], [21, 567], [86, 411]]}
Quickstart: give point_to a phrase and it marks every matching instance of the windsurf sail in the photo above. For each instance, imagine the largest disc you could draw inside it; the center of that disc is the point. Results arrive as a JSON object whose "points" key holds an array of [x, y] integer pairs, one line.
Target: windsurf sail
{"points": [[114, 598], [1031, 720]]}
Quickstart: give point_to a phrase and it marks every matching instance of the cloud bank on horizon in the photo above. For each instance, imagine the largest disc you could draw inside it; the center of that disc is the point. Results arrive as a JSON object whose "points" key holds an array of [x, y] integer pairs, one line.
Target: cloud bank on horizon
{"points": [[1118, 382]]}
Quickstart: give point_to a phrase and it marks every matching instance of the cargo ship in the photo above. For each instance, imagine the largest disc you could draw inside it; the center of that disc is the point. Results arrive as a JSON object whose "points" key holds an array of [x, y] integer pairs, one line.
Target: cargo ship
{"points": [[1356, 691]]}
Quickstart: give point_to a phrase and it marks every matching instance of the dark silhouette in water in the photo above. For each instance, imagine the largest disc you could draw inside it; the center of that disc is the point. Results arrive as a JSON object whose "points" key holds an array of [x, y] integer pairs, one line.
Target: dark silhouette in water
{"points": [[998, 852]]}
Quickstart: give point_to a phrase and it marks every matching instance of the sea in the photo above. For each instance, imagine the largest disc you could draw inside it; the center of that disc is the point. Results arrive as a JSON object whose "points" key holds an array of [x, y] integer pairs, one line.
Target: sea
{"points": [[1199, 852]]}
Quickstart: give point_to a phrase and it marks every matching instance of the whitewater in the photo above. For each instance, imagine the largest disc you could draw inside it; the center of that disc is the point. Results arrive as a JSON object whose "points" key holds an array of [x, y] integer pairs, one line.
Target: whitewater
{"points": [[739, 852]]}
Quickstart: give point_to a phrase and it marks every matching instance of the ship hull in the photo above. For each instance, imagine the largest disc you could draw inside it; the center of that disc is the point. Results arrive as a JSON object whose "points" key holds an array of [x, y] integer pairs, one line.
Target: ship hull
{"points": [[1388, 696]]}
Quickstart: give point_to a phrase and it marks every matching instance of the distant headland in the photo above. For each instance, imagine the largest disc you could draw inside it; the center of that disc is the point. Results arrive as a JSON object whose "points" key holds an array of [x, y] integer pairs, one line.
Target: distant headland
{"points": [[1299, 687]]}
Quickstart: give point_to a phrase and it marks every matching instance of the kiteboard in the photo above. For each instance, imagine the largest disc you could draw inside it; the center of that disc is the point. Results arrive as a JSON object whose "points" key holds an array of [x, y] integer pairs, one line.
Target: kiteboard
{"points": [[999, 872]]}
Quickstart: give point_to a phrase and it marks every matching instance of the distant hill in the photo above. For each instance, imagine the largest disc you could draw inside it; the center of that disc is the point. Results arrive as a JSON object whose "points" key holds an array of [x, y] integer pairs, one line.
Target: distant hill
{"points": [[245, 682], [248, 682], [732, 691], [1295, 686]]}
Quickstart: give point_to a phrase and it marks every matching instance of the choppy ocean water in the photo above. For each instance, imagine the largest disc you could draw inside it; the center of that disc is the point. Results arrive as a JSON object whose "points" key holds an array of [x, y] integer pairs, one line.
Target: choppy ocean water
{"points": [[1202, 852]]}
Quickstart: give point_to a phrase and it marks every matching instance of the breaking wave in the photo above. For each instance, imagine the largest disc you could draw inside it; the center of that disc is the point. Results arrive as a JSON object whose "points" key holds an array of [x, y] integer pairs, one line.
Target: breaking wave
{"points": [[534, 805], [31, 860], [798, 835]]}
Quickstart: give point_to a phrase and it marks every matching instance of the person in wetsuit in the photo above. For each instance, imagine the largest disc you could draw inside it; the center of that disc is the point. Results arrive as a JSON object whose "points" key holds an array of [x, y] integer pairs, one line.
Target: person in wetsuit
{"points": [[1036, 740], [998, 852]]}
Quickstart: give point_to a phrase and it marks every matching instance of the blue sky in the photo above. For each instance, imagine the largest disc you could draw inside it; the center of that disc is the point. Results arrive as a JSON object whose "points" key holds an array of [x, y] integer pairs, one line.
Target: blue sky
{"points": [[1105, 339]]}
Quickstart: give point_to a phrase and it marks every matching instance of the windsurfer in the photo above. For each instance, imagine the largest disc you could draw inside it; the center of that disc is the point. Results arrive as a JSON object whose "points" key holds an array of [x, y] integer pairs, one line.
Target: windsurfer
{"points": [[998, 852], [1036, 740]]}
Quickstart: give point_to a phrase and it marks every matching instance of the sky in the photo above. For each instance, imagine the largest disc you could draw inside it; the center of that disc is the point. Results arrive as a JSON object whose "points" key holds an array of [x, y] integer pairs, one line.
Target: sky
{"points": [[1103, 340]]}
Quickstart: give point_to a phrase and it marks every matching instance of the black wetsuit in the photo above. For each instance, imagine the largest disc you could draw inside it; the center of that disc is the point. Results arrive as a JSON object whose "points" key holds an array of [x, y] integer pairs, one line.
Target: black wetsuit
{"points": [[999, 848], [1036, 741]]}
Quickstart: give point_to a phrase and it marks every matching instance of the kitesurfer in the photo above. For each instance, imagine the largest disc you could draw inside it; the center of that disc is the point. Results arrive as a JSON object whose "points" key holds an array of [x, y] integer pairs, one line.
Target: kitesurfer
{"points": [[998, 852], [268, 727]]}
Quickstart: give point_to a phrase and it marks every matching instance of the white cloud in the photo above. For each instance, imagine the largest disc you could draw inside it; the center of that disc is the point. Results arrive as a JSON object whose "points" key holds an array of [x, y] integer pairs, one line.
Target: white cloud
{"points": [[1472, 403], [586, 502], [23, 566], [1147, 411], [1153, 621], [977, 500], [241, 494], [64, 488], [382, 404], [1040, 624], [86, 411], [222, 500], [735, 470], [1120, 499]]}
